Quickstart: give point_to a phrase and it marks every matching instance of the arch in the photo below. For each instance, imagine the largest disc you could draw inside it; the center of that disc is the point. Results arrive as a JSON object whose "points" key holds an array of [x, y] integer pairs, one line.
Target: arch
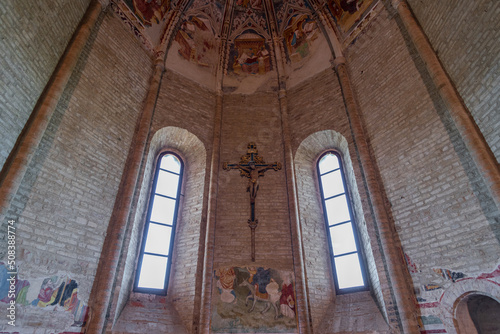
{"points": [[193, 153], [454, 303], [312, 220]]}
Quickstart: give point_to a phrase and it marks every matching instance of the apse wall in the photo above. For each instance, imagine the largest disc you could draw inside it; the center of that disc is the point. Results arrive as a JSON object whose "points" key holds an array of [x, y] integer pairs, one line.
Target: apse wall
{"points": [[444, 216], [468, 48], [64, 203], [31, 47], [182, 122], [318, 122]]}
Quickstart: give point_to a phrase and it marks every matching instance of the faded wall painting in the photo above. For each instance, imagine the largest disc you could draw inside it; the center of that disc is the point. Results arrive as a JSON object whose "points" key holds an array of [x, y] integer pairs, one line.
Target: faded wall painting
{"points": [[196, 42], [57, 294], [253, 299], [300, 34], [347, 12], [249, 54]]}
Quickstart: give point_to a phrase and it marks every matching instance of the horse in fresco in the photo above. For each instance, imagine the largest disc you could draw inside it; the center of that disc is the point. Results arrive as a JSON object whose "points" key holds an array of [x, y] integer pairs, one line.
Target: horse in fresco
{"points": [[270, 298]]}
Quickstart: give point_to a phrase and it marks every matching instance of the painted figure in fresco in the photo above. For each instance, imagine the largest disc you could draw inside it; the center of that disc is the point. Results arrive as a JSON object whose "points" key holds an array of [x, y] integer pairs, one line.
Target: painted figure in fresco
{"points": [[300, 34], [350, 6], [262, 288], [151, 11], [287, 299], [226, 284], [48, 292]]}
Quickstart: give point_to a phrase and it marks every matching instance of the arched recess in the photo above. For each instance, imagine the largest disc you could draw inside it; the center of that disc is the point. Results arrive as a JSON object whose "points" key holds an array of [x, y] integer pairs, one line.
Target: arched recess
{"points": [[457, 300], [181, 290], [321, 291]]}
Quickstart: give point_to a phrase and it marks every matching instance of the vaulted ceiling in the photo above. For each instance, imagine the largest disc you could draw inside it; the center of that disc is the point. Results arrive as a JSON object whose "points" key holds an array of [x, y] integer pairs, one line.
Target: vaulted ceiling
{"points": [[240, 38]]}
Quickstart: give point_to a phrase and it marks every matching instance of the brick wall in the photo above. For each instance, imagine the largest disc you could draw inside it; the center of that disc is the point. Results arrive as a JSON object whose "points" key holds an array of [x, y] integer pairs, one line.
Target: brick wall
{"points": [[465, 36], [173, 313], [34, 36], [65, 200], [245, 119], [443, 216], [182, 122], [319, 122]]}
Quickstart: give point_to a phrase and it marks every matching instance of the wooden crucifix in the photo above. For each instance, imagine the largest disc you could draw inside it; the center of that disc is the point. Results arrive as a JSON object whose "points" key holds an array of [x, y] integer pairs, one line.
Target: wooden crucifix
{"points": [[252, 166]]}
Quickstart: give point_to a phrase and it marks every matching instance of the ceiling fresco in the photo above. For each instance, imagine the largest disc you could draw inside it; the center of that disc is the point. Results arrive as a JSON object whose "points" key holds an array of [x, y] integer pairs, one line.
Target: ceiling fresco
{"points": [[148, 16], [347, 13], [194, 38]]}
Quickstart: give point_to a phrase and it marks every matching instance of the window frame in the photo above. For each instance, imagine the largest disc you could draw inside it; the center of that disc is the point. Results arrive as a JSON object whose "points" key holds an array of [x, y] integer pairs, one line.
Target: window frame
{"points": [[147, 223], [352, 221]]}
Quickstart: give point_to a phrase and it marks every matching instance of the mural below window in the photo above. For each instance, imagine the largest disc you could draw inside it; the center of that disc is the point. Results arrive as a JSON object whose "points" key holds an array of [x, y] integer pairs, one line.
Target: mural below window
{"points": [[247, 299]]}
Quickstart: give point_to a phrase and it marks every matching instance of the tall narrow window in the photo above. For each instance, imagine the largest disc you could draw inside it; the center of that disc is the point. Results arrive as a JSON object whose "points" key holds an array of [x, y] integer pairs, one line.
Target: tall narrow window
{"points": [[342, 236], [153, 267]]}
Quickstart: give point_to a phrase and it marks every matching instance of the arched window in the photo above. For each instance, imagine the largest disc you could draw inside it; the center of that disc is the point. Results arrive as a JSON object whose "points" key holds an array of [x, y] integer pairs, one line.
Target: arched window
{"points": [[343, 241], [154, 263]]}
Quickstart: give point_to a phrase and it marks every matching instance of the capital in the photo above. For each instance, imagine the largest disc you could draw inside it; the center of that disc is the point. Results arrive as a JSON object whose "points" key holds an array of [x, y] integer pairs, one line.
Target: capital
{"points": [[338, 61]]}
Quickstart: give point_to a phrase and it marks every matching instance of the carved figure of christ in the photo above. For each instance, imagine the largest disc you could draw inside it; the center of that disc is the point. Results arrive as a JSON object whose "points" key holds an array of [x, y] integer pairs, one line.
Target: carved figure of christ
{"points": [[252, 166]]}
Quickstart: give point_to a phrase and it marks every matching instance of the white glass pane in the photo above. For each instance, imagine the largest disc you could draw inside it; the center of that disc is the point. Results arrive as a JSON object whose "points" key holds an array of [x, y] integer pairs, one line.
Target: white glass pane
{"points": [[328, 162], [163, 210], [167, 184], [158, 239], [171, 163], [337, 210], [332, 184], [348, 271], [342, 239], [153, 270]]}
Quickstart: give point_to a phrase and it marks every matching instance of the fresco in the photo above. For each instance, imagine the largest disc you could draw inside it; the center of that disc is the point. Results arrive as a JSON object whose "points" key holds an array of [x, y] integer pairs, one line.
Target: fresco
{"points": [[149, 12], [249, 14], [254, 4], [250, 299], [285, 9], [347, 12], [432, 285], [249, 54], [56, 292], [299, 35], [196, 42], [148, 18]]}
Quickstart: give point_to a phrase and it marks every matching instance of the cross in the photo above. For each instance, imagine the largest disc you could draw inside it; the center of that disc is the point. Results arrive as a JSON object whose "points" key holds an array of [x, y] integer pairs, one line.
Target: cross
{"points": [[252, 166]]}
